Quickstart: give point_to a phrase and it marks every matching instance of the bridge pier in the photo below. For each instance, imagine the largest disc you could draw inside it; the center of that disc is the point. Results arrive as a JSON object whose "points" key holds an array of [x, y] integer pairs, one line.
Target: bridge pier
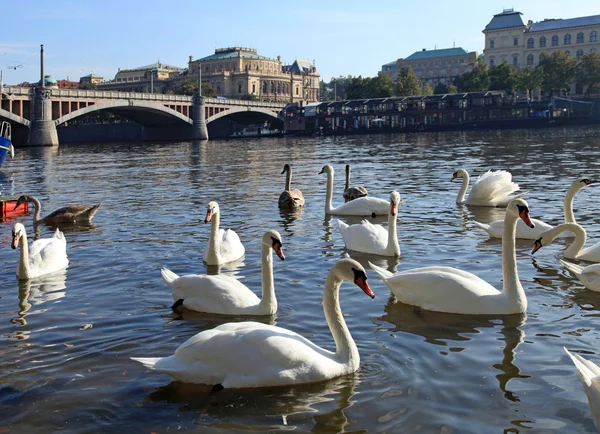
{"points": [[42, 130], [199, 128]]}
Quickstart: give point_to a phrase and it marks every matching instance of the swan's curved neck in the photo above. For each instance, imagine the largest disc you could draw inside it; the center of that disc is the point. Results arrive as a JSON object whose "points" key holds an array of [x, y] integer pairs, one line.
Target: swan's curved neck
{"points": [[513, 290], [329, 193], [347, 179], [214, 242], [393, 246], [288, 179], [38, 208], [575, 247], [568, 205], [268, 286], [23, 272], [345, 348], [463, 189]]}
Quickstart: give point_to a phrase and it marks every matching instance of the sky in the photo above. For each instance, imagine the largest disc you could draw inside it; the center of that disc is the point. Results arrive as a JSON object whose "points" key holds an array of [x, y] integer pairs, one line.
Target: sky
{"points": [[342, 37]]}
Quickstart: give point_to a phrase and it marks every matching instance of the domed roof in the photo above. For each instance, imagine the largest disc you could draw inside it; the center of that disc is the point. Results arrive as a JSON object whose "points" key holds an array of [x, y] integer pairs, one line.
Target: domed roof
{"points": [[49, 82]]}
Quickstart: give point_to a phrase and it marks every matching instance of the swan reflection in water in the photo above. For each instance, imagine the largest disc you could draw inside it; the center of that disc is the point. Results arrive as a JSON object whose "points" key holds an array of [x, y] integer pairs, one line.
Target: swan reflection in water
{"points": [[319, 407], [34, 292], [438, 328]]}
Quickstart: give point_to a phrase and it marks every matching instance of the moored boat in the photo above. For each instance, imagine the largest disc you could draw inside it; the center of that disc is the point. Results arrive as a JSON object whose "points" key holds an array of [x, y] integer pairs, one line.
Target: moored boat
{"points": [[6, 146]]}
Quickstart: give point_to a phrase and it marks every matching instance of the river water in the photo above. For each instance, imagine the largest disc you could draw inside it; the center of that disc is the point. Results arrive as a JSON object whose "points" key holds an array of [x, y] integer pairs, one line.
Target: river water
{"points": [[66, 342]]}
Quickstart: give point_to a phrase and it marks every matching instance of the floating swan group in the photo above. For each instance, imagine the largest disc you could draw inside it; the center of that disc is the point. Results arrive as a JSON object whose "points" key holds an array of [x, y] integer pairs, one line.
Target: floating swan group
{"points": [[275, 356]]}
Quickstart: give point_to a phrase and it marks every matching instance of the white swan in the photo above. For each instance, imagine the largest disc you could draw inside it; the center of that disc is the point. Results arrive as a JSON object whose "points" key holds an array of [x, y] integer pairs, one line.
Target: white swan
{"points": [[447, 289], [290, 199], [223, 245], [589, 276], [252, 354], [525, 232], [369, 238], [351, 193], [575, 249], [362, 206], [589, 373], [493, 188], [225, 295], [47, 255]]}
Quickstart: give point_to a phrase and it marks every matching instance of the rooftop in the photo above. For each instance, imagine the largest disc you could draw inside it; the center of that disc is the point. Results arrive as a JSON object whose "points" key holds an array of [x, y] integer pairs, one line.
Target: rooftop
{"points": [[442, 52], [234, 52], [505, 20], [153, 66], [556, 24]]}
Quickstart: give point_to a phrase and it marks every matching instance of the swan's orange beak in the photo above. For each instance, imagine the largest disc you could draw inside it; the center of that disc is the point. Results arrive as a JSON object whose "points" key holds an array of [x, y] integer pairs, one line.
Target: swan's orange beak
{"points": [[322, 171], [393, 209], [362, 284], [208, 216], [537, 245], [454, 176], [524, 214], [279, 250]]}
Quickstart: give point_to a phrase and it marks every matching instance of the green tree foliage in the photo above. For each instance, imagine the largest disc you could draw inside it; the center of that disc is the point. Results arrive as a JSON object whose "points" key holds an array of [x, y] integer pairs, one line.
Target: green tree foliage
{"points": [[558, 70], [440, 88], [587, 71], [477, 79], [504, 77], [427, 90], [408, 83], [451, 89], [189, 86], [370, 87], [336, 88], [531, 79]]}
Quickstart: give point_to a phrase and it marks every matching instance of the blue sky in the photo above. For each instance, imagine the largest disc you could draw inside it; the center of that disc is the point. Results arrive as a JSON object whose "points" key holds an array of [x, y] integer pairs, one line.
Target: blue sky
{"points": [[349, 37]]}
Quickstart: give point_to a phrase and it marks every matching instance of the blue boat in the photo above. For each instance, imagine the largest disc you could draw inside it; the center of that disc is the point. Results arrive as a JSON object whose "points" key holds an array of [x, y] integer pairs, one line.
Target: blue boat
{"points": [[6, 146]]}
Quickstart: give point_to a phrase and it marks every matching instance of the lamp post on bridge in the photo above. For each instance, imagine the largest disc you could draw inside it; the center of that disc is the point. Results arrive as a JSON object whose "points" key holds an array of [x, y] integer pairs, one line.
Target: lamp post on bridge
{"points": [[42, 130], [199, 129]]}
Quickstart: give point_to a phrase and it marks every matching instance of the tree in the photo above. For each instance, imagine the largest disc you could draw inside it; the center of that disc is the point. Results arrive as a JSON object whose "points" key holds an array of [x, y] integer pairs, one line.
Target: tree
{"points": [[558, 71], [336, 88], [379, 87], [531, 79], [407, 83], [477, 79], [427, 90], [451, 89], [440, 88], [504, 77], [356, 89], [587, 71]]}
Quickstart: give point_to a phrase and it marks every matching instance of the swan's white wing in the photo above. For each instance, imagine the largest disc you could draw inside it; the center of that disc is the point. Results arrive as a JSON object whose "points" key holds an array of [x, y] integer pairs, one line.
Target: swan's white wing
{"points": [[589, 276], [589, 373], [48, 255], [496, 229], [248, 354], [591, 253], [231, 246], [364, 237], [443, 289], [216, 294], [363, 206], [492, 185]]}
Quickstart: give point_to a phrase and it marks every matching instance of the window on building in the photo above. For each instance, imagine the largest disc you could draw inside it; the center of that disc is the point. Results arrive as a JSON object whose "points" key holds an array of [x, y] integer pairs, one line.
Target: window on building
{"points": [[592, 50], [515, 61], [253, 88], [580, 38], [239, 88], [492, 43], [515, 41], [555, 41], [218, 89], [264, 89], [443, 72], [530, 43], [491, 62], [568, 39], [593, 36], [530, 60], [297, 90], [542, 42], [579, 54]]}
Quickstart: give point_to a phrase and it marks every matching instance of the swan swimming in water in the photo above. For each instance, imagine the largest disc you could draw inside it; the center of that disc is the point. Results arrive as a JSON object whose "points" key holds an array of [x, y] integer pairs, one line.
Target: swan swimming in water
{"points": [[223, 245], [67, 214], [290, 199], [351, 193], [493, 188], [252, 354]]}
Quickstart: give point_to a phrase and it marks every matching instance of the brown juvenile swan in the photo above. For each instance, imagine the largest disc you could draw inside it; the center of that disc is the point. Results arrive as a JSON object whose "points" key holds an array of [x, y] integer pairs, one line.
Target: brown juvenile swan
{"points": [[351, 193], [67, 214], [290, 198]]}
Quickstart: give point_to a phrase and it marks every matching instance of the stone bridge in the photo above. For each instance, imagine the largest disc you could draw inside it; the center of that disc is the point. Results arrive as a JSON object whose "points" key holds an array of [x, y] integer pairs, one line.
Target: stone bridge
{"points": [[41, 110]]}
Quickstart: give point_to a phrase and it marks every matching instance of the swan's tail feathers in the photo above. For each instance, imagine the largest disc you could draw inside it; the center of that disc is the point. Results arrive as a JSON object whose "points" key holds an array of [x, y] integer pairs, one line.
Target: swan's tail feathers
{"points": [[341, 224], [383, 273], [168, 276], [148, 362], [89, 213], [573, 268], [587, 370], [483, 226], [59, 235]]}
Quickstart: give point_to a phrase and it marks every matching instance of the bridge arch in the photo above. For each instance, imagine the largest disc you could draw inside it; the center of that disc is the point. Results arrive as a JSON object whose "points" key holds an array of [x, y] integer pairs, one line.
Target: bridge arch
{"points": [[128, 107], [247, 109], [14, 118]]}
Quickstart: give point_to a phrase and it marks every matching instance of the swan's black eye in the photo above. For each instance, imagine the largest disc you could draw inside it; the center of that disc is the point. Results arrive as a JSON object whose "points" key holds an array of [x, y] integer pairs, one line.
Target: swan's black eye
{"points": [[276, 242], [522, 208], [358, 274], [587, 181], [455, 174], [538, 241]]}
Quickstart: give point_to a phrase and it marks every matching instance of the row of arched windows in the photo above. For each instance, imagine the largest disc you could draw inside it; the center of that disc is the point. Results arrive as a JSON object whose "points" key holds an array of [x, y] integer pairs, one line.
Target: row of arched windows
{"points": [[530, 58], [566, 40]]}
